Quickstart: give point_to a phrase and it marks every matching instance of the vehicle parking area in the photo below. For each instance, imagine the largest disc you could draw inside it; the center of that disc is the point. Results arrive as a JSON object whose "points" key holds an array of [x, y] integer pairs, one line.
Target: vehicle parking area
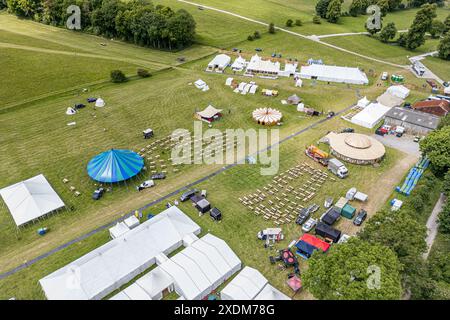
{"points": [[404, 143]]}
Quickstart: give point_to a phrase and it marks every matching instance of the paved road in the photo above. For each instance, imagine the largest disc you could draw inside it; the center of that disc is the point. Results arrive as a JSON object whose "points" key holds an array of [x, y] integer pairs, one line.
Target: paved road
{"points": [[432, 225], [345, 34], [405, 144], [312, 38], [428, 74]]}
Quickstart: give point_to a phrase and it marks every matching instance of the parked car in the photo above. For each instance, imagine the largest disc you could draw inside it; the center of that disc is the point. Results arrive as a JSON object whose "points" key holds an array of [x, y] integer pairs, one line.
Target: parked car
{"points": [[348, 130], [302, 216], [258, 49], [159, 176], [98, 193], [188, 194], [416, 139], [362, 215], [407, 105], [146, 184], [445, 84], [309, 225], [384, 76]]}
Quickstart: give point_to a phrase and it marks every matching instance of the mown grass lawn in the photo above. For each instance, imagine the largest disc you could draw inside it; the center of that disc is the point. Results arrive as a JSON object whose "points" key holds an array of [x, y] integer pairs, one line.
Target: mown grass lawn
{"points": [[35, 138]]}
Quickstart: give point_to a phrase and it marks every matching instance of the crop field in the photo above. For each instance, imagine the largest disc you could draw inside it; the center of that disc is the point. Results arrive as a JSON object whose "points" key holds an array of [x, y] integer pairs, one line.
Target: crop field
{"points": [[50, 69]]}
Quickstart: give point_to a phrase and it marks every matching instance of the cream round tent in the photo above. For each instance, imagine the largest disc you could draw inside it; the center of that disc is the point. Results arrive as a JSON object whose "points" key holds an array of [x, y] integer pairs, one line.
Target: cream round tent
{"points": [[267, 116], [355, 147], [99, 102]]}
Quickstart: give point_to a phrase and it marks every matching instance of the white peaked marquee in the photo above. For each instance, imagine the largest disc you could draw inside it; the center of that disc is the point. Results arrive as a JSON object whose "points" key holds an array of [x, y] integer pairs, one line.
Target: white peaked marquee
{"points": [[31, 199], [105, 269], [250, 284]]}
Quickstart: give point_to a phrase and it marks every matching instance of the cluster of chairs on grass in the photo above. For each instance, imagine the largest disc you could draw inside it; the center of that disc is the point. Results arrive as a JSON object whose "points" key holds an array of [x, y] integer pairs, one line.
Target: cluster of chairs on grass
{"points": [[153, 152], [76, 193], [282, 198]]}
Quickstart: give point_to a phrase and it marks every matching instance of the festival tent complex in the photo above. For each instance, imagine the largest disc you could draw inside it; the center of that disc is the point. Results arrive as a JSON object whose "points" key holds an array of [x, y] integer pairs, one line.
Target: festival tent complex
{"points": [[193, 273], [107, 268], [31, 199]]}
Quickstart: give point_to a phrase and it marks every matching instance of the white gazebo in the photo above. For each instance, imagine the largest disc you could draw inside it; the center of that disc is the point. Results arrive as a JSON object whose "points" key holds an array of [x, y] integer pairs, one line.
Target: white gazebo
{"points": [[31, 199]]}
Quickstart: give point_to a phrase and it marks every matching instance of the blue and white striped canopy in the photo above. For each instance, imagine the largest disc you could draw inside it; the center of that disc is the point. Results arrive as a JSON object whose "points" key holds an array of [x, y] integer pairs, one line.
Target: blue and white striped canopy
{"points": [[115, 165]]}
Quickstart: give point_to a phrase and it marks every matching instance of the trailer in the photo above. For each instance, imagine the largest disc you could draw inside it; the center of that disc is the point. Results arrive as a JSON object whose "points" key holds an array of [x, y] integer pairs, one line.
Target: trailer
{"points": [[317, 155]]}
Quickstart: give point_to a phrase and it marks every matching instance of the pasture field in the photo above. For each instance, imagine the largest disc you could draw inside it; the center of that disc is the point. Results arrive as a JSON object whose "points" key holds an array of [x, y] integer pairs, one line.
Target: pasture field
{"points": [[48, 68]]}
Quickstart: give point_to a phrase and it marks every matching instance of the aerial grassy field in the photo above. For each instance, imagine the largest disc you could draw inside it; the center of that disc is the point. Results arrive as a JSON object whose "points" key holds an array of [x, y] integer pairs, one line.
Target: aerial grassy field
{"points": [[57, 64]]}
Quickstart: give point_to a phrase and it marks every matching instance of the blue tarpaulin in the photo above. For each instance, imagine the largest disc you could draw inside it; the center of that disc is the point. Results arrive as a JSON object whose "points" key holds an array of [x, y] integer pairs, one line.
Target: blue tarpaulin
{"points": [[115, 165], [305, 249]]}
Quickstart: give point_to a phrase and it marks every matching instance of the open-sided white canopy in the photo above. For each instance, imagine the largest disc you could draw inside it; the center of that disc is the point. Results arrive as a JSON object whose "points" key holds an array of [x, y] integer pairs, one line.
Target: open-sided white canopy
{"points": [[333, 74], [363, 102], [117, 262], [271, 293], [370, 115], [31, 199]]}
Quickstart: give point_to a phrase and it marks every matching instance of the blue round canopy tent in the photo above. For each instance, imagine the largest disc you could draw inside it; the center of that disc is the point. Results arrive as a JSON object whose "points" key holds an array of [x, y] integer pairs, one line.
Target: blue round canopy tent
{"points": [[115, 166]]}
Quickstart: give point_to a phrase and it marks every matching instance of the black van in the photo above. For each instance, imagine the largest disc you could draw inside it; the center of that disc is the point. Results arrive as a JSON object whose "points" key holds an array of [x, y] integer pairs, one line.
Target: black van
{"points": [[188, 194]]}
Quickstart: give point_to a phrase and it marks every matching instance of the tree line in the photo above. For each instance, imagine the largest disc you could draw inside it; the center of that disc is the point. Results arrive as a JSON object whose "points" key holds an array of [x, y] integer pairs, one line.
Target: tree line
{"points": [[136, 21]]}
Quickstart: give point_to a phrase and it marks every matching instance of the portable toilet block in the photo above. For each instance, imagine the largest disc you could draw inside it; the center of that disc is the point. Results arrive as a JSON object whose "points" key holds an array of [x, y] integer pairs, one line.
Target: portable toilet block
{"points": [[348, 211]]}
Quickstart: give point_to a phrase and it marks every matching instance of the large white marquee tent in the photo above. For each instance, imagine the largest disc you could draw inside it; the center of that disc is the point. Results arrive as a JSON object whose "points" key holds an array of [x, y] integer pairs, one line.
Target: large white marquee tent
{"points": [[105, 269], [333, 74], [31, 199], [250, 284], [370, 115], [193, 273]]}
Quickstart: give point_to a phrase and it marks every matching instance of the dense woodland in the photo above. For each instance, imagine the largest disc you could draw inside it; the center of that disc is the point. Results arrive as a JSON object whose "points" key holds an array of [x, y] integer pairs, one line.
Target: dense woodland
{"points": [[137, 21]]}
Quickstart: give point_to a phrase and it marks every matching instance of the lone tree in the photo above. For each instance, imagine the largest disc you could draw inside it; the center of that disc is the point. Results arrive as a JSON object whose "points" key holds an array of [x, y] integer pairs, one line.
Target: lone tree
{"points": [[117, 76], [388, 32], [444, 47], [415, 37], [272, 28], [334, 11], [298, 23], [316, 19], [289, 23], [354, 270], [250, 38], [257, 35]]}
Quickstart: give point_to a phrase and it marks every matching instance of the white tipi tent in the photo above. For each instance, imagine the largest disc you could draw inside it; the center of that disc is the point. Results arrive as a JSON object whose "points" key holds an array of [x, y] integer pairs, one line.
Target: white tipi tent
{"points": [[99, 102]]}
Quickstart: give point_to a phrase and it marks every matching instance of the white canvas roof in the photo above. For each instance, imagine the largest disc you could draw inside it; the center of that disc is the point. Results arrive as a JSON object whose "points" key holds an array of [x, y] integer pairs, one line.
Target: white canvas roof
{"points": [[118, 230], [135, 292], [131, 222], [99, 102], [253, 89], [370, 115], [209, 112], [194, 272], [271, 293], [389, 100], [200, 84], [106, 268], [334, 74], [399, 91], [30, 199], [239, 63], [155, 282], [221, 61], [364, 102], [263, 66], [229, 81], [245, 286]]}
